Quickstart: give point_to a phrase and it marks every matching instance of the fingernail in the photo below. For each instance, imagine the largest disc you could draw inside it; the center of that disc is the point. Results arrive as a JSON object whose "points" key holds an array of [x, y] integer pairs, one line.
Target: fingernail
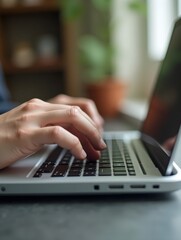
{"points": [[83, 154], [102, 144]]}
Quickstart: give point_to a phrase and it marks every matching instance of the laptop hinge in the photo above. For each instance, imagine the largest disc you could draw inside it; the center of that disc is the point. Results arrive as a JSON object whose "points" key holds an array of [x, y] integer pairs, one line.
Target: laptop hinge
{"points": [[159, 157]]}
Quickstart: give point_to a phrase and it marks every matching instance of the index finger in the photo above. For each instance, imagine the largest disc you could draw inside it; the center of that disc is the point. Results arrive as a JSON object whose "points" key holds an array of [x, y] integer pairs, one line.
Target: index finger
{"points": [[74, 116]]}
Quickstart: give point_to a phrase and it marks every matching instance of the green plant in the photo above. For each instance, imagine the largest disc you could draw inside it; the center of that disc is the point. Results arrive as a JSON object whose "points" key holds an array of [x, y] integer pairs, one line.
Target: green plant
{"points": [[139, 6], [96, 51], [95, 47]]}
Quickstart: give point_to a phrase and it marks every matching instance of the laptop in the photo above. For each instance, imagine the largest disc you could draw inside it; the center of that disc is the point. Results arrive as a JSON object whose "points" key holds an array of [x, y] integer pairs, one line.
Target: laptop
{"points": [[142, 161]]}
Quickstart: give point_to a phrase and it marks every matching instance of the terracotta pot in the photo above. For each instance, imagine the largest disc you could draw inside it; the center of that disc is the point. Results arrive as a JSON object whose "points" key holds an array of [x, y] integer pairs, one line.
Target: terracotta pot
{"points": [[107, 97]]}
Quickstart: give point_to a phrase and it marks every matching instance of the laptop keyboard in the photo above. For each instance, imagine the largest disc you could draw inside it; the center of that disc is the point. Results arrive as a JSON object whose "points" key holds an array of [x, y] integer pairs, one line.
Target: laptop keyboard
{"points": [[119, 164]]}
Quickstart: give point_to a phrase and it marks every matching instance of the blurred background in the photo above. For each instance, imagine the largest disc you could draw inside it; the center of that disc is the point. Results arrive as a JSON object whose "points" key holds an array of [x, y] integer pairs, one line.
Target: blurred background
{"points": [[49, 47]]}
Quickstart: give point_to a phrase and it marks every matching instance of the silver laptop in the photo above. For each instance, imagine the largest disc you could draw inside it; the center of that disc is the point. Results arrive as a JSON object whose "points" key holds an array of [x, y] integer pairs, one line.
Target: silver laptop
{"points": [[134, 162]]}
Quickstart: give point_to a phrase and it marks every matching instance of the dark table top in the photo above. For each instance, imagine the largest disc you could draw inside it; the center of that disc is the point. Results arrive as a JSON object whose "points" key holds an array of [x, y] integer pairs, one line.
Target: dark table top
{"points": [[100, 217], [142, 217]]}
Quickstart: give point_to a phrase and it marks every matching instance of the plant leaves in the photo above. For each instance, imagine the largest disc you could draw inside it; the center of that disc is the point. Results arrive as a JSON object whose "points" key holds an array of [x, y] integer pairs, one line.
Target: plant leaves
{"points": [[93, 50], [102, 4], [72, 9], [139, 6], [95, 56]]}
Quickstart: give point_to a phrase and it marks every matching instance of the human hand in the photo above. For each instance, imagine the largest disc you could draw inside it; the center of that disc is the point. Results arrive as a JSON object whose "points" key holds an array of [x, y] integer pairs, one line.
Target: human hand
{"points": [[87, 105], [26, 128]]}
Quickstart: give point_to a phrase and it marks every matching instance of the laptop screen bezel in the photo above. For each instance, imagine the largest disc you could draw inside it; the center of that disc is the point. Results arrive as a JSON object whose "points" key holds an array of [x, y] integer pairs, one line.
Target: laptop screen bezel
{"points": [[146, 139]]}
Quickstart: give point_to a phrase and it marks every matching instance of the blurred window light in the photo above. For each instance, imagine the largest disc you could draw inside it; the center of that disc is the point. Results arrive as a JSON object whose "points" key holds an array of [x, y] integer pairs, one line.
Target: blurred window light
{"points": [[161, 15], [179, 8]]}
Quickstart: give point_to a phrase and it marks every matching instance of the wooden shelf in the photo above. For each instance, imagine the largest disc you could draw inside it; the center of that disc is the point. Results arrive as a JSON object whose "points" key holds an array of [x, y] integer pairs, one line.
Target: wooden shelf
{"points": [[23, 9], [53, 65], [24, 23]]}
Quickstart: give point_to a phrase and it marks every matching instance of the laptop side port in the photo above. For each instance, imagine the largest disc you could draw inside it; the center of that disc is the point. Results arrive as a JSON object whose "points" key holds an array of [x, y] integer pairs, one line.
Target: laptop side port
{"points": [[116, 186], [138, 186], [156, 186], [3, 189], [96, 187]]}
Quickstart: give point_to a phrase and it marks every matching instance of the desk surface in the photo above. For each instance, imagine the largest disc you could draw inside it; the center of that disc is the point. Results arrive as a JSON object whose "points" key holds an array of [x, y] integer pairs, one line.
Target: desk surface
{"points": [[127, 217]]}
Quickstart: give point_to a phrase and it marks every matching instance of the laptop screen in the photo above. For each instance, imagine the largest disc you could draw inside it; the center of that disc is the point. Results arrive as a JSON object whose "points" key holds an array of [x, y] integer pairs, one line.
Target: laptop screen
{"points": [[164, 114]]}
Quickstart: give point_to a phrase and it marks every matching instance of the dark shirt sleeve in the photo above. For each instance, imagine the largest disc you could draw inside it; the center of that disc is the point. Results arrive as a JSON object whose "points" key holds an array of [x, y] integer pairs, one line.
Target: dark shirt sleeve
{"points": [[5, 99], [4, 93]]}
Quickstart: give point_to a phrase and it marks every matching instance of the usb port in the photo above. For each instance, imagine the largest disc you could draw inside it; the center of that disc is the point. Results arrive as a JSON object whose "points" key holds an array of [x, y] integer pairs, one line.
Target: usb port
{"points": [[116, 186], [138, 186]]}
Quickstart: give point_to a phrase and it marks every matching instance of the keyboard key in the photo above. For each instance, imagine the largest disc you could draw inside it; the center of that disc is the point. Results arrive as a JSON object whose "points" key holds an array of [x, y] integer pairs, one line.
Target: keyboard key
{"points": [[104, 161], [104, 165], [48, 169], [48, 165], [54, 155], [89, 173], [58, 174], [118, 164], [90, 168], [38, 174], [117, 169], [74, 173], [132, 173], [64, 162], [120, 173], [76, 165], [104, 172], [117, 160], [78, 161], [91, 164], [60, 171]]}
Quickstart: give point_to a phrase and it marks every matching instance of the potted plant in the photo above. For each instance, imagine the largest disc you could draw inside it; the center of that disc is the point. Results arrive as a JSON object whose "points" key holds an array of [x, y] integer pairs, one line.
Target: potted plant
{"points": [[97, 52], [96, 55]]}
